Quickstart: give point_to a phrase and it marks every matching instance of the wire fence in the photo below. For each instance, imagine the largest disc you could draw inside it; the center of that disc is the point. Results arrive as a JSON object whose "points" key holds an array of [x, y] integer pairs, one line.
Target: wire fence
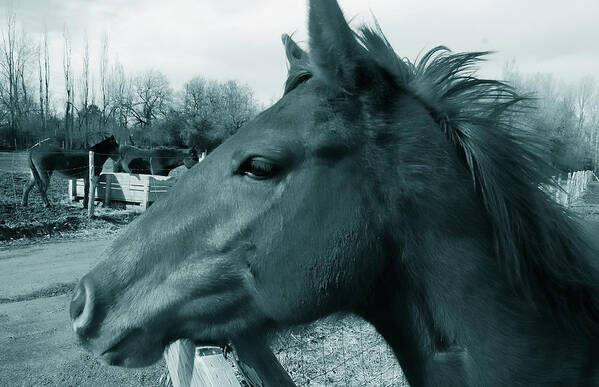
{"points": [[337, 351]]}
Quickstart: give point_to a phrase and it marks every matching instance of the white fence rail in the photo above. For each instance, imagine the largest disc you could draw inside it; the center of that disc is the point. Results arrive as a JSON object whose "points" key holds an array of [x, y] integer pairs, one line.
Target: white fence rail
{"points": [[573, 187]]}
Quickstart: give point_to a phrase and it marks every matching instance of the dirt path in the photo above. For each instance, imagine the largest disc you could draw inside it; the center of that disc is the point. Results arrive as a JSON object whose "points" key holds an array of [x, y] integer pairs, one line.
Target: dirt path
{"points": [[37, 345], [32, 269]]}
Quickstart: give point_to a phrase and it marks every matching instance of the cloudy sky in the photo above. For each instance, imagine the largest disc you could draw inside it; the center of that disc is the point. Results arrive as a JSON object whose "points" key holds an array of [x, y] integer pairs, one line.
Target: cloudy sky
{"points": [[240, 39]]}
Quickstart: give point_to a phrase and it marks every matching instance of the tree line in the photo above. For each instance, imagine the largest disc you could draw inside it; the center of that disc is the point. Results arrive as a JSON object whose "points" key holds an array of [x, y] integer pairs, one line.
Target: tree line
{"points": [[143, 109], [140, 109], [565, 113]]}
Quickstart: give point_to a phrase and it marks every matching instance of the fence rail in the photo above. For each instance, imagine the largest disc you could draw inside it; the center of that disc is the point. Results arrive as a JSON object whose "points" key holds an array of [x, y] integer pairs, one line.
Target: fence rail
{"points": [[573, 188]]}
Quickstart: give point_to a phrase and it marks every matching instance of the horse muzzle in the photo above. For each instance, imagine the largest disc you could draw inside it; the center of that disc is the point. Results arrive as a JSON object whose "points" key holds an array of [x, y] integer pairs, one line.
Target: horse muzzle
{"points": [[132, 347]]}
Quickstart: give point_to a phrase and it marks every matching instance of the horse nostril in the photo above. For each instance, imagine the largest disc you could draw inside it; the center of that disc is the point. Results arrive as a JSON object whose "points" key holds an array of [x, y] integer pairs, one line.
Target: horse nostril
{"points": [[77, 302], [82, 305]]}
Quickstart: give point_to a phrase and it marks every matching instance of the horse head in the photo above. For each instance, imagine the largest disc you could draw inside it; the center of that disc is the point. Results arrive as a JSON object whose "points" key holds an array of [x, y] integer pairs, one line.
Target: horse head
{"points": [[271, 229], [108, 146]]}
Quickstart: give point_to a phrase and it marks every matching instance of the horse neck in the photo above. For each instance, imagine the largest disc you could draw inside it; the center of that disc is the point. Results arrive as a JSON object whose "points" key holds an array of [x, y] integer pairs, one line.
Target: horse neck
{"points": [[445, 303], [452, 319]]}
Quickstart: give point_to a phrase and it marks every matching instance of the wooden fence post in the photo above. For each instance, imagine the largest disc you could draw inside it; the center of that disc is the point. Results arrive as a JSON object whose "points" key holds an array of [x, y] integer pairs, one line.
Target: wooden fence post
{"points": [[146, 182], [91, 196], [108, 189], [201, 367], [72, 189]]}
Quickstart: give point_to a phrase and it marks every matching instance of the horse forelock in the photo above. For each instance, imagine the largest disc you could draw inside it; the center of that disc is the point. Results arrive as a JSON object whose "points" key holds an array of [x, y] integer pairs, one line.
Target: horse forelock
{"points": [[540, 244]]}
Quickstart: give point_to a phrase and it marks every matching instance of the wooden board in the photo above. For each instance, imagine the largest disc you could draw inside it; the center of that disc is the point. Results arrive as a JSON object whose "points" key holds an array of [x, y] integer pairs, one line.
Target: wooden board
{"points": [[198, 367], [127, 188], [191, 366]]}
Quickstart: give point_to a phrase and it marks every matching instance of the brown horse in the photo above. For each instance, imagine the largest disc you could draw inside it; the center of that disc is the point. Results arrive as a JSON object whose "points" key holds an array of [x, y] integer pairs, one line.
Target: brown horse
{"points": [[402, 192], [154, 161], [46, 159]]}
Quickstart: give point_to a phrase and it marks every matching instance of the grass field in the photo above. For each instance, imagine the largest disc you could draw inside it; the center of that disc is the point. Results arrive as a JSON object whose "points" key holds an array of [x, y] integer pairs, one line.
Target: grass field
{"points": [[337, 351]]}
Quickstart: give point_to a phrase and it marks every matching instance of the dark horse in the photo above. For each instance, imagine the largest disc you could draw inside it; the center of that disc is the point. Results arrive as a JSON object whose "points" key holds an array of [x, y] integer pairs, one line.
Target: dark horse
{"points": [[46, 159], [154, 161], [402, 192]]}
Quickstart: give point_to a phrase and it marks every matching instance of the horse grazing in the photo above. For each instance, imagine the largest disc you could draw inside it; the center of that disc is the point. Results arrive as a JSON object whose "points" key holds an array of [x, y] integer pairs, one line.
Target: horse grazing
{"points": [[402, 192], [46, 159], [155, 161]]}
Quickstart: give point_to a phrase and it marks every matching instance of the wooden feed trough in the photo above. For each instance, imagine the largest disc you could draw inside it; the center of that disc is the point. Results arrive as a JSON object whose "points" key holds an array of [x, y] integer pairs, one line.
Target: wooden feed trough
{"points": [[135, 189]]}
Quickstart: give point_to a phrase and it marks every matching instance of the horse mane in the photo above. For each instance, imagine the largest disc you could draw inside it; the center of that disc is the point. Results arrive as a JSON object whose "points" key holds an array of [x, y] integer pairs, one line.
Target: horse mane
{"points": [[539, 243]]}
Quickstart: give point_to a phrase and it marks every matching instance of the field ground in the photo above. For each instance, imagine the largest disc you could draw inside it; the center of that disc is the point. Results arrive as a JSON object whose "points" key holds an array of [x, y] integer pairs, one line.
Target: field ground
{"points": [[64, 220]]}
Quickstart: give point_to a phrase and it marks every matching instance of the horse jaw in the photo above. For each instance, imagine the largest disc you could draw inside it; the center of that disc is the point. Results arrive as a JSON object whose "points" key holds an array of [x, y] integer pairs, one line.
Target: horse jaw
{"points": [[135, 334]]}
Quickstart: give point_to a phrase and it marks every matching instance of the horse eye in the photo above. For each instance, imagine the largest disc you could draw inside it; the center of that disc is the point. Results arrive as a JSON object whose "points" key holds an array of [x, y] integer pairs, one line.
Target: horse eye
{"points": [[258, 168]]}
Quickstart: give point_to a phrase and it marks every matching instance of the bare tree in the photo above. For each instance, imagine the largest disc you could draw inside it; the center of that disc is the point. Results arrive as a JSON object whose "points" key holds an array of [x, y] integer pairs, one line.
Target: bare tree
{"points": [[119, 95], [104, 78], [83, 112], [194, 98], [152, 98], [240, 105], [68, 79], [215, 110], [584, 93], [46, 77], [560, 117], [9, 51], [41, 93], [16, 52]]}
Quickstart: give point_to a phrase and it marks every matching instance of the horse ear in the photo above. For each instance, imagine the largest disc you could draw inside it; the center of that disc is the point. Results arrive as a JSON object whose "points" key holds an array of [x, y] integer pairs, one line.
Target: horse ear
{"points": [[334, 49], [293, 52], [298, 59]]}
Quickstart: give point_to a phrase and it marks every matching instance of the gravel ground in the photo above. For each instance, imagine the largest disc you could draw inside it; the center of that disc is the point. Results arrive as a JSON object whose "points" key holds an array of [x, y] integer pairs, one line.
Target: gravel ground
{"points": [[37, 344]]}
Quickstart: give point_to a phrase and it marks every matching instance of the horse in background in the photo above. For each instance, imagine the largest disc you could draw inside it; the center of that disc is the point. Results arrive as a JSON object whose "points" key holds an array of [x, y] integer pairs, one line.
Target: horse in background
{"points": [[154, 161], [45, 159], [401, 192]]}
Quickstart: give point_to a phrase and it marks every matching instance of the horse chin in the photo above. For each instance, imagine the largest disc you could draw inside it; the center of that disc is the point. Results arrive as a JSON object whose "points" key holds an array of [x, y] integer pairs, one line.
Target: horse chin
{"points": [[132, 350], [135, 360]]}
